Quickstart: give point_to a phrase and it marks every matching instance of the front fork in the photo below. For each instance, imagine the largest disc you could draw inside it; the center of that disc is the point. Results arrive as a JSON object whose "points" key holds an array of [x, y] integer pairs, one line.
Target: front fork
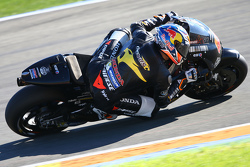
{"points": [[203, 83]]}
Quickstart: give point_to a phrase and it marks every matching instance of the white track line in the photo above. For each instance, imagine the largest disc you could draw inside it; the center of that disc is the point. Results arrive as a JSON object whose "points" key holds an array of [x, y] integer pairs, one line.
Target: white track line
{"points": [[133, 146], [71, 5]]}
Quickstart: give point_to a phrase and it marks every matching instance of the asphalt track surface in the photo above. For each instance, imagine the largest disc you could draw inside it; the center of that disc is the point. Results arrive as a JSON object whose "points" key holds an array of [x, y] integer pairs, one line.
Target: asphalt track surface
{"points": [[81, 29]]}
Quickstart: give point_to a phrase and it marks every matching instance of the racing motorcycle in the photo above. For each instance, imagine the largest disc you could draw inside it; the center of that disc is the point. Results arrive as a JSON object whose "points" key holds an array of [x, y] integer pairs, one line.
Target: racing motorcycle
{"points": [[56, 87]]}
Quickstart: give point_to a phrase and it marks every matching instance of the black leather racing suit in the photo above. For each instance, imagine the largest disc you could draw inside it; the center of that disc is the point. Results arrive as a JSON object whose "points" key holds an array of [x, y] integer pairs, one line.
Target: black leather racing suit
{"points": [[136, 68]]}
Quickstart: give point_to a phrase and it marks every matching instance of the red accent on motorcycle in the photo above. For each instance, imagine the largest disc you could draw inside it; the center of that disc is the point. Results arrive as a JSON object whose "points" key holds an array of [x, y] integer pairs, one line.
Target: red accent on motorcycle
{"points": [[115, 108], [99, 82]]}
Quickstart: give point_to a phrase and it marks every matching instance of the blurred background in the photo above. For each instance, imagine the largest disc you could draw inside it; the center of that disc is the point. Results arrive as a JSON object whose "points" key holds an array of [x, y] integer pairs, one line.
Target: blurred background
{"points": [[81, 29]]}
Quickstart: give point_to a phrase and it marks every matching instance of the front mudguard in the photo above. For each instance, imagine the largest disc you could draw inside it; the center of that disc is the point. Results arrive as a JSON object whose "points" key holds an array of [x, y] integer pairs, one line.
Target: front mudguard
{"points": [[229, 57]]}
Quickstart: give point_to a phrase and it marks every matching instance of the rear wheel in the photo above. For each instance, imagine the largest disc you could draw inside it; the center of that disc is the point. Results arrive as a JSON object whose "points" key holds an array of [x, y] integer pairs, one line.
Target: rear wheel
{"points": [[226, 79], [29, 107]]}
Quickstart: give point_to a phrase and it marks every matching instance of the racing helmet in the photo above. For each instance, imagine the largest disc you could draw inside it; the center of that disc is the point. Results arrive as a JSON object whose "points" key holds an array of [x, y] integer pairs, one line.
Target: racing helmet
{"points": [[174, 41]]}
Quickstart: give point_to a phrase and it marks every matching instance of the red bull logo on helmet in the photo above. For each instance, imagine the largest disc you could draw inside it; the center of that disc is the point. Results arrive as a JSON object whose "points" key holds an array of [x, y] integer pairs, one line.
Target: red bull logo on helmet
{"points": [[175, 36], [167, 42], [172, 36], [171, 33]]}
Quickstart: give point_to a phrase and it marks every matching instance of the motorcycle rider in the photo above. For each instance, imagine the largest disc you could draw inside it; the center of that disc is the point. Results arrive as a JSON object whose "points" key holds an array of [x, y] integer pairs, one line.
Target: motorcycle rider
{"points": [[120, 70]]}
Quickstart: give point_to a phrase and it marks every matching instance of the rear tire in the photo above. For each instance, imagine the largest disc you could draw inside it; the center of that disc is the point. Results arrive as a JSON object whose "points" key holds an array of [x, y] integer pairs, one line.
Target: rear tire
{"points": [[26, 105], [232, 76]]}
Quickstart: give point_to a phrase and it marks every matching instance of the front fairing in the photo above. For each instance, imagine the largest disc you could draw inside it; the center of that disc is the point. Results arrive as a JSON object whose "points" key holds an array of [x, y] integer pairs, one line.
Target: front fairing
{"points": [[204, 44]]}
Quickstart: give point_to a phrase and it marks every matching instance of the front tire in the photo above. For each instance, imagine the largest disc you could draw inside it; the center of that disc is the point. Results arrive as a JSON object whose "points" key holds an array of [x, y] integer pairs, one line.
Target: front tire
{"points": [[231, 76], [26, 105]]}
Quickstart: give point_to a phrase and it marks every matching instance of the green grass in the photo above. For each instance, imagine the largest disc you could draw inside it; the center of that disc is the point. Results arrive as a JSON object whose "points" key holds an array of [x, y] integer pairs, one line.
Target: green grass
{"points": [[12, 7], [227, 155]]}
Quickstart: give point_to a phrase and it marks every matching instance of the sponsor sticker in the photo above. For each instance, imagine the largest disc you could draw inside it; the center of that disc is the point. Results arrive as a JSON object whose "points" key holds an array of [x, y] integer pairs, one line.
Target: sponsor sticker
{"points": [[217, 62], [141, 60], [197, 55], [103, 50], [200, 48], [127, 112], [107, 80], [33, 73], [115, 50], [111, 75], [38, 72], [99, 82], [131, 101], [105, 95], [44, 70], [56, 69], [25, 73], [117, 74]]}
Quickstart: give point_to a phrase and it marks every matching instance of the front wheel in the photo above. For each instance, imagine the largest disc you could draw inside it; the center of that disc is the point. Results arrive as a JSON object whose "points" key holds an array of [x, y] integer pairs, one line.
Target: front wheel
{"points": [[29, 106], [226, 79]]}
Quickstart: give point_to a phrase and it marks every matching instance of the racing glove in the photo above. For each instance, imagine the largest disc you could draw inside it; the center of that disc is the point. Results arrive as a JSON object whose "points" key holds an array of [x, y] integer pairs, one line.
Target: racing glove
{"points": [[191, 75], [158, 20], [179, 84]]}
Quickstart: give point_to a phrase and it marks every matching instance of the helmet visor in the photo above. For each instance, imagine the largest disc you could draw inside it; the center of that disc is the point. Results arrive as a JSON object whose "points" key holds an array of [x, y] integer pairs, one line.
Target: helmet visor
{"points": [[182, 48]]}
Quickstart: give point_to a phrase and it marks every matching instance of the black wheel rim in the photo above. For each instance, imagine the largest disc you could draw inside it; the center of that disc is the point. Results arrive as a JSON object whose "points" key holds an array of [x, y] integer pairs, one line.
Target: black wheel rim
{"points": [[28, 123]]}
